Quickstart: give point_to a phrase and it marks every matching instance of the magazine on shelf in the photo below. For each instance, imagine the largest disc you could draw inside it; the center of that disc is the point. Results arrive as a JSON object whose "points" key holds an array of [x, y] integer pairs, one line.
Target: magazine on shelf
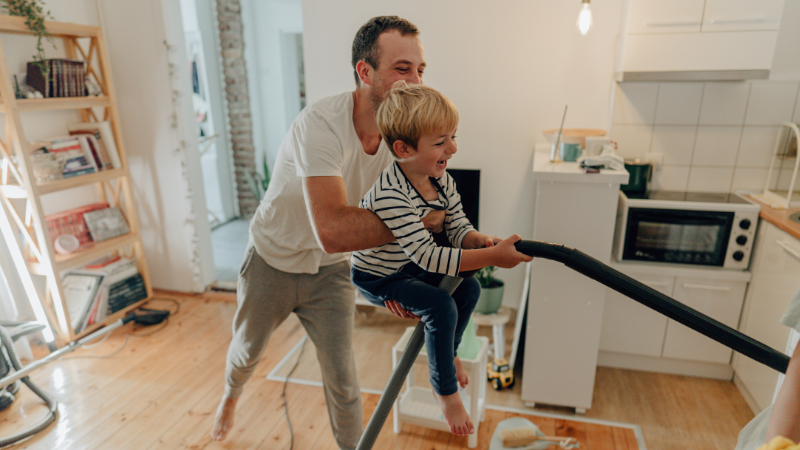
{"points": [[80, 292], [106, 137], [122, 285]]}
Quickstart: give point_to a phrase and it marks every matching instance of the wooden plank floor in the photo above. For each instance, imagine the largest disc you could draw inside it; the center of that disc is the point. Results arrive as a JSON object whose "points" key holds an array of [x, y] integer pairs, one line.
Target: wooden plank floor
{"points": [[161, 392]]}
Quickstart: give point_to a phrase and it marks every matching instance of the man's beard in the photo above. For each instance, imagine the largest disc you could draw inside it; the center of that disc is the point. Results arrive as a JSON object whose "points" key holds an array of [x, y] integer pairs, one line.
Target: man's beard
{"points": [[377, 94]]}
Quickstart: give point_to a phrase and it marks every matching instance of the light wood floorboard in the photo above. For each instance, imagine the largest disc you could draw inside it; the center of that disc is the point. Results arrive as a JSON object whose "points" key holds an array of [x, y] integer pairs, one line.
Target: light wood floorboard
{"points": [[161, 392]]}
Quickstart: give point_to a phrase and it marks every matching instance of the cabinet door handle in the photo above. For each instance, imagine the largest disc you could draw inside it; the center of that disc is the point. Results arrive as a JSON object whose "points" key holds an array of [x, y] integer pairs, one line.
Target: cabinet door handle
{"points": [[788, 249], [748, 20], [672, 24], [706, 287]]}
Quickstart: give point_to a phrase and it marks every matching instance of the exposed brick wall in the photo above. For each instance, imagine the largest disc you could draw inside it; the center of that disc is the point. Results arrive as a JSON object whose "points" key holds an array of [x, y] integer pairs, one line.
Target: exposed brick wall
{"points": [[229, 18]]}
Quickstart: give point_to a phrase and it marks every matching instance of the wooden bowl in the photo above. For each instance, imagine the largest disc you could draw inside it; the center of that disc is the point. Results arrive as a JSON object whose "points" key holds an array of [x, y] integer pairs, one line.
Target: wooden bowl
{"points": [[574, 135]]}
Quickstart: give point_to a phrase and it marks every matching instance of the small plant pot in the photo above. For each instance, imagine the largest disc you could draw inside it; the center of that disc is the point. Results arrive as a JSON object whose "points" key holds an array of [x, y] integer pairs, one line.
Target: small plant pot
{"points": [[490, 300]]}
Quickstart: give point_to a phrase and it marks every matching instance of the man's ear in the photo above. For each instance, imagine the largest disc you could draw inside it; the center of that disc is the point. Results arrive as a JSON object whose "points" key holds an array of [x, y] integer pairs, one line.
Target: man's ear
{"points": [[364, 71], [402, 149]]}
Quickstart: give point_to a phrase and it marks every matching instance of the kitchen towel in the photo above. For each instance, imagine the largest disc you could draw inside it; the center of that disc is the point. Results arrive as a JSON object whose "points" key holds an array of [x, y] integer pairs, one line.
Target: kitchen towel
{"points": [[606, 160]]}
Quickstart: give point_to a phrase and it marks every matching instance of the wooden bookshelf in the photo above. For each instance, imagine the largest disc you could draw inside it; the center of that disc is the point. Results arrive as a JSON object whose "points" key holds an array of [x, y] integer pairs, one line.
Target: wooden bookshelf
{"points": [[18, 182]]}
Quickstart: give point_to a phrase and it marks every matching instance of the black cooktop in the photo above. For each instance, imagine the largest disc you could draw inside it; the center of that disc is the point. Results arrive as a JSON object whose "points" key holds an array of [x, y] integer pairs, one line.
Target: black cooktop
{"points": [[680, 196]]}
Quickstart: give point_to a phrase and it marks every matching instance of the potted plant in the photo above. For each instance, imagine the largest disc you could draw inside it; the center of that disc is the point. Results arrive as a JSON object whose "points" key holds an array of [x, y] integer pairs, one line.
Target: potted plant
{"points": [[491, 291]]}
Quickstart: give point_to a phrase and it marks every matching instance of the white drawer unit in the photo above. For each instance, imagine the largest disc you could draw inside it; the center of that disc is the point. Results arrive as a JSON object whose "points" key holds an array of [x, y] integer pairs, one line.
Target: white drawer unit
{"points": [[636, 337], [632, 328], [720, 300]]}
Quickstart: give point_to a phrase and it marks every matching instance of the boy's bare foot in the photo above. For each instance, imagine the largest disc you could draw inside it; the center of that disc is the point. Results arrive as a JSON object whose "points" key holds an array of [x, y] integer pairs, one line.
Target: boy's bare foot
{"points": [[223, 422], [454, 414], [461, 374]]}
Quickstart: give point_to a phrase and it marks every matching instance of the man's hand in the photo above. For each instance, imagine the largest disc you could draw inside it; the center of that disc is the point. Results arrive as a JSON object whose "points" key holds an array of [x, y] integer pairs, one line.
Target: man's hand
{"points": [[398, 310], [434, 221]]}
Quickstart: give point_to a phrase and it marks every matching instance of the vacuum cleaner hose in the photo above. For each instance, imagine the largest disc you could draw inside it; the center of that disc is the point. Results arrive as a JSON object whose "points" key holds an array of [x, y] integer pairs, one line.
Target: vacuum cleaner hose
{"points": [[655, 300], [52, 414]]}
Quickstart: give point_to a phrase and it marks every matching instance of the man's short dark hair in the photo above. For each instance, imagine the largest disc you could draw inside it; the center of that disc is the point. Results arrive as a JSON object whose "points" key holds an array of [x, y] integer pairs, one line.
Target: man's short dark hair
{"points": [[365, 44]]}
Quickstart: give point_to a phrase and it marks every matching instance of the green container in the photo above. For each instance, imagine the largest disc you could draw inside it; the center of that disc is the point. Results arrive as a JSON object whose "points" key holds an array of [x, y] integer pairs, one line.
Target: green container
{"points": [[490, 300]]}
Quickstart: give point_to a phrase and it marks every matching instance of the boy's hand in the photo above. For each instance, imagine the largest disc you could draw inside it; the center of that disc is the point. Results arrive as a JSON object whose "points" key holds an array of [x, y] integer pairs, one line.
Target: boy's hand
{"points": [[474, 240], [434, 221], [506, 255]]}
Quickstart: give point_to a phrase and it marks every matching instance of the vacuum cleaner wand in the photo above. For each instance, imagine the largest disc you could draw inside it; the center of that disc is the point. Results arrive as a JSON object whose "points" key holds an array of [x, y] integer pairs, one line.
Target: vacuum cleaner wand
{"points": [[596, 270], [653, 299]]}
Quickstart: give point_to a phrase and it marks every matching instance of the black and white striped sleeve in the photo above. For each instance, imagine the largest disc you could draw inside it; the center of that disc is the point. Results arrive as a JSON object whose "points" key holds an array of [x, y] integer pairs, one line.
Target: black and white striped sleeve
{"points": [[455, 222], [397, 211]]}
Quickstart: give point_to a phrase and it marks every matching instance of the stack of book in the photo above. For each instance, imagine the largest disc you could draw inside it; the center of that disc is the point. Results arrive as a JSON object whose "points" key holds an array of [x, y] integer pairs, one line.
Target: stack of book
{"points": [[58, 77], [88, 149], [102, 288]]}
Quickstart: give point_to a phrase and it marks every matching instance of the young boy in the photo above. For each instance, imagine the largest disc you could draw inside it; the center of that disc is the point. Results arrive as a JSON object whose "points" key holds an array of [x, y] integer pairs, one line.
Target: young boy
{"points": [[418, 124]]}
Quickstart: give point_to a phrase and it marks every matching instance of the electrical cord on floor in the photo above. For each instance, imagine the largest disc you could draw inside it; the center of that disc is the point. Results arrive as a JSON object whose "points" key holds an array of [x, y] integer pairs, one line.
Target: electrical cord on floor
{"points": [[128, 335], [285, 404]]}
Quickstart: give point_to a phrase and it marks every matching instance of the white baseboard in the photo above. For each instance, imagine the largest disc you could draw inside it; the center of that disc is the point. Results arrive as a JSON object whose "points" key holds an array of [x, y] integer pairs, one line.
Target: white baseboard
{"points": [[665, 365], [748, 398]]}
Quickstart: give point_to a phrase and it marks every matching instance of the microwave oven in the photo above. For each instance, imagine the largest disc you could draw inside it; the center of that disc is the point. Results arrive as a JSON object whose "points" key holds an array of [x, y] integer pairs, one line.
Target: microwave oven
{"points": [[690, 228]]}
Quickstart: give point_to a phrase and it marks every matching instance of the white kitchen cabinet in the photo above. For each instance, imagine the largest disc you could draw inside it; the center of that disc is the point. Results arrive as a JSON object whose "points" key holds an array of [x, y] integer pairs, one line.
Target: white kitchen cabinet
{"points": [[742, 15], [719, 299], [565, 308], [632, 328], [658, 16], [686, 40], [776, 276]]}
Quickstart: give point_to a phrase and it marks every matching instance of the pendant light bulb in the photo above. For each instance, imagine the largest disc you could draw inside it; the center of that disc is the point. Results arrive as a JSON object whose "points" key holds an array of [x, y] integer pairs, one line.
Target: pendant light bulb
{"points": [[585, 18]]}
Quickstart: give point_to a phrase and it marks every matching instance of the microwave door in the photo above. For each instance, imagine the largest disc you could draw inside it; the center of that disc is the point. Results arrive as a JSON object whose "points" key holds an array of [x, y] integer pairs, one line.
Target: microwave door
{"points": [[677, 236]]}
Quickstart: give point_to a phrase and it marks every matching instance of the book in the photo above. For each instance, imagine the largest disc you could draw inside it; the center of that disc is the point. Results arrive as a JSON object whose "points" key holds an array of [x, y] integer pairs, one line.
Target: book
{"points": [[90, 152], [106, 137], [96, 141], [106, 223], [118, 274], [80, 291]]}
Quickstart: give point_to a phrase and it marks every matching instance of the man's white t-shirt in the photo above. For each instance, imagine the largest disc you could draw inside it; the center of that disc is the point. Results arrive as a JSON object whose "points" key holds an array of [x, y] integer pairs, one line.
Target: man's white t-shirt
{"points": [[321, 142]]}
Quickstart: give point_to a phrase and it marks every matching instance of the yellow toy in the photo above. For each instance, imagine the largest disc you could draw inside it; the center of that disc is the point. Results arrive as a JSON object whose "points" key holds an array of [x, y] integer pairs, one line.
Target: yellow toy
{"points": [[499, 374]]}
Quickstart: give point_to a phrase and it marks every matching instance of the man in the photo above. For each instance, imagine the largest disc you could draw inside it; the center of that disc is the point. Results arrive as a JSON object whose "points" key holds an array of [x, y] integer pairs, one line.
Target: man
{"points": [[309, 215]]}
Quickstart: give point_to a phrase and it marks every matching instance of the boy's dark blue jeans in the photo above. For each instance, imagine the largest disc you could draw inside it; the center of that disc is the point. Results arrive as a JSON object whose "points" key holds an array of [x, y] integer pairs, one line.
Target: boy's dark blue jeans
{"points": [[445, 316]]}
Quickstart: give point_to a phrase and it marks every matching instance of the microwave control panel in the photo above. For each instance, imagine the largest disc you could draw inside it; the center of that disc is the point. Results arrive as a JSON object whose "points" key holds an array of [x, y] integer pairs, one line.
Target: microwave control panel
{"points": [[740, 245]]}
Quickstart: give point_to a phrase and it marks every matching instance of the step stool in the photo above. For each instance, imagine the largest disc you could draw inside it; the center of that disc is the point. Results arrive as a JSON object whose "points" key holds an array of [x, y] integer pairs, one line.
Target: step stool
{"points": [[417, 406]]}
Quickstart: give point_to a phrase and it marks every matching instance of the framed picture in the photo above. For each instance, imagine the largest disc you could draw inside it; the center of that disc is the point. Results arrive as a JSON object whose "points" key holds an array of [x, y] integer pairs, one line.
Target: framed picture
{"points": [[106, 223]]}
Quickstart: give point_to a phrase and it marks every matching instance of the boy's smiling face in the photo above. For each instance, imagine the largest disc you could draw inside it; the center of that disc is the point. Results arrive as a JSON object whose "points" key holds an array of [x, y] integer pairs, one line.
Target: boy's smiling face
{"points": [[430, 157]]}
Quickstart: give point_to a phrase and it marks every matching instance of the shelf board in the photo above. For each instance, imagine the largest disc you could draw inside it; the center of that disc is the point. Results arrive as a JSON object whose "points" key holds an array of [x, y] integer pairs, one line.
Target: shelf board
{"points": [[11, 24], [64, 262], [14, 191], [52, 104], [81, 180]]}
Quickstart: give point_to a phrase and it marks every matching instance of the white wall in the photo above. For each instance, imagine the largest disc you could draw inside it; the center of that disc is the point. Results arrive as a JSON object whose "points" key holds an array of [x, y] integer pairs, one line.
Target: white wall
{"points": [[509, 66], [264, 21], [160, 139]]}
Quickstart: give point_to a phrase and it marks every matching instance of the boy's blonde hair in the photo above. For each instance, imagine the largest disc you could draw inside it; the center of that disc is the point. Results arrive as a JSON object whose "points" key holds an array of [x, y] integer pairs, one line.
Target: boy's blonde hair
{"points": [[411, 110]]}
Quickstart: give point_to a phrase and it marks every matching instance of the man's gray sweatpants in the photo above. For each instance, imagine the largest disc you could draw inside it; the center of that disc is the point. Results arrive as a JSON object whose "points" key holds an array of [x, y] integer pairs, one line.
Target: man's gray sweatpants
{"points": [[325, 304]]}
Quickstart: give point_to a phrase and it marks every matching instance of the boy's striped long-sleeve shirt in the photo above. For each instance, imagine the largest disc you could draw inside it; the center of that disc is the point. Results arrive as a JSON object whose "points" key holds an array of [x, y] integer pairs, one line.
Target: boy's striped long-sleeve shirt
{"points": [[394, 199]]}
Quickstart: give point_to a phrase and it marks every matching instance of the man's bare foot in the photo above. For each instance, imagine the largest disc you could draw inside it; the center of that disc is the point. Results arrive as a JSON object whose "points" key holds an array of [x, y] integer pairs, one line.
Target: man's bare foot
{"points": [[461, 374], [454, 414], [223, 422]]}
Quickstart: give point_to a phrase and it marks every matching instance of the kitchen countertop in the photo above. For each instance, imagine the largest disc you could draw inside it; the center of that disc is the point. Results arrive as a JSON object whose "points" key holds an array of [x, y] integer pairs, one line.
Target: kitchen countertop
{"points": [[544, 170], [778, 217]]}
